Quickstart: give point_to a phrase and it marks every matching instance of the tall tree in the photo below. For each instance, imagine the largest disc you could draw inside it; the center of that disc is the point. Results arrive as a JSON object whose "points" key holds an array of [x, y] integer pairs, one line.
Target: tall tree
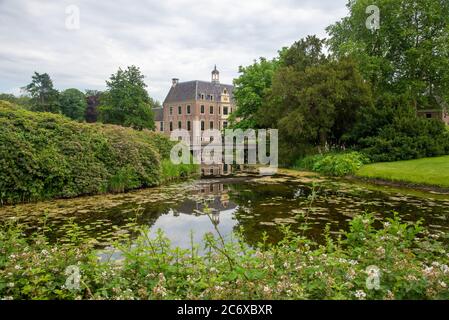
{"points": [[293, 61], [93, 98], [43, 96], [315, 107], [304, 53], [126, 102], [313, 100], [409, 53], [73, 104], [250, 90]]}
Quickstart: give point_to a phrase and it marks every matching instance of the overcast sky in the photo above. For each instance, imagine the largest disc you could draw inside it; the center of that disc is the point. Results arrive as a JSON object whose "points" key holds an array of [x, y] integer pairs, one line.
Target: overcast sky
{"points": [[166, 39]]}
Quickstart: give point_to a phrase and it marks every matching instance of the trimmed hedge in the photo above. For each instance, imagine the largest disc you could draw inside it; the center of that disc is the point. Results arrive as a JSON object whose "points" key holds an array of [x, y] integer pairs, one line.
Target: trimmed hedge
{"points": [[44, 156]]}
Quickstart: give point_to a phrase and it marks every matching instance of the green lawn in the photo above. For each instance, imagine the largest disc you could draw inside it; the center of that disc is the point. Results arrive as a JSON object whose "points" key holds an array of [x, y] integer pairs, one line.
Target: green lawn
{"points": [[429, 171]]}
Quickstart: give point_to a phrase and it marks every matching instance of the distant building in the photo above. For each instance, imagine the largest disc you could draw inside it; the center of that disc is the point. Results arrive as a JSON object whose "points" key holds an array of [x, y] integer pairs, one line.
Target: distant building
{"points": [[197, 106], [440, 110], [207, 103], [440, 114]]}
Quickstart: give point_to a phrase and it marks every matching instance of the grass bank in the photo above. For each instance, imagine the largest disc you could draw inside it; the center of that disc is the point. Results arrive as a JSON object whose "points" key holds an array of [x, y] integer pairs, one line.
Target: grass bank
{"points": [[425, 171], [45, 156], [396, 261]]}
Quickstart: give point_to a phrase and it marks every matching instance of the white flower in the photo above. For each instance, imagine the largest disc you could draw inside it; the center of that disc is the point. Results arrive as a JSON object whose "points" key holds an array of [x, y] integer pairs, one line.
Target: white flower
{"points": [[428, 271], [386, 224], [380, 251], [360, 294], [443, 284], [11, 284], [351, 274], [44, 252], [410, 277], [444, 268], [353, 262], [17, 267]]}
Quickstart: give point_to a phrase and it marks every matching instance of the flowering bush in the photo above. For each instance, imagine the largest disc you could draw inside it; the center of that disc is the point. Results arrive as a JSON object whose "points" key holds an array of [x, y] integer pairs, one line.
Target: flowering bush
{"points": [[397, 261]]}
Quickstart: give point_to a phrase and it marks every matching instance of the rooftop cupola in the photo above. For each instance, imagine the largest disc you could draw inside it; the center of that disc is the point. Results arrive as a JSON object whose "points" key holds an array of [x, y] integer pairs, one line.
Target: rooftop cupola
{"points": [[215, 75]]}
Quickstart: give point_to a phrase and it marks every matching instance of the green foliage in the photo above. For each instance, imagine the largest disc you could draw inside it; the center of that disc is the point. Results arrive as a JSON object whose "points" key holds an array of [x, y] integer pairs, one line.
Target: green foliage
{"points": [[407, 137], [408, 54], [73, 104], [250, 91], [45, 156], [410, 263], [314, 105], [334, 164], [44, 97], [126, 102], [22, 100], [171, 172]]}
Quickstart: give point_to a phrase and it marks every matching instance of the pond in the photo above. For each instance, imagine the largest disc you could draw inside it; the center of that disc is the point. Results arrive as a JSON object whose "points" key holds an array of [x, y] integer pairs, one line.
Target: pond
{"points": [[257, 204]]}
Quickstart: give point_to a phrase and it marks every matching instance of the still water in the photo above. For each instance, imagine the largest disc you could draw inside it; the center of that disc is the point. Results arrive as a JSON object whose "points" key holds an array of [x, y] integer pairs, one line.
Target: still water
{"points": [[256, 204]]}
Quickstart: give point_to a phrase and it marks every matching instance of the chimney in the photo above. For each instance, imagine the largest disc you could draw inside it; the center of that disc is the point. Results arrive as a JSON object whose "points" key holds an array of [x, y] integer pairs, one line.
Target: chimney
{"points": [[174, 82]]}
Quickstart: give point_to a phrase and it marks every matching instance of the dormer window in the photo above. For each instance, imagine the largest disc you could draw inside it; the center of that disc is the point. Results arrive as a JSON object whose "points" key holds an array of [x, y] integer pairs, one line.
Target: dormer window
{"points": [[202, 96], [225, 91]]}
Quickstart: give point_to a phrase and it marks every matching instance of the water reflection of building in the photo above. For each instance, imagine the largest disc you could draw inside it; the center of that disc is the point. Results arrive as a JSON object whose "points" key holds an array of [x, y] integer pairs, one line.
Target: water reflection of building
{"points": [[213, 198]]}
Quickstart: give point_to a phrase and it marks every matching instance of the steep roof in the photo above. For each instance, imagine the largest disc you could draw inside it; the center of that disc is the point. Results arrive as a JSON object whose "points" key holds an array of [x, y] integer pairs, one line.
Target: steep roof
{"points": [[192, 90]]}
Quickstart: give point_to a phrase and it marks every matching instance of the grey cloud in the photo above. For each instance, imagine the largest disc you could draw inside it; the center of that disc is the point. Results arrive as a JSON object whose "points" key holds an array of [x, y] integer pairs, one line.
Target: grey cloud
{"points": [[175, 38]]}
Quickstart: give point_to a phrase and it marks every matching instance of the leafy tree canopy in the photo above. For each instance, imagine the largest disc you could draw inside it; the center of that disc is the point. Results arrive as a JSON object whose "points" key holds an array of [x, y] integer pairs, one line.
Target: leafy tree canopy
{"points": [[250, 91], [409, 53], [73, 104], [43, 96], [126, 102]]}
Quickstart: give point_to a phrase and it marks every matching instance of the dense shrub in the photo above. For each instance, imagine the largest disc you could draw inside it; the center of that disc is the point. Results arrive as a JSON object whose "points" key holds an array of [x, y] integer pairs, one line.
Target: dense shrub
{"points": [[406, 260], [337, 164], [46, 156], [407, 138]]}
